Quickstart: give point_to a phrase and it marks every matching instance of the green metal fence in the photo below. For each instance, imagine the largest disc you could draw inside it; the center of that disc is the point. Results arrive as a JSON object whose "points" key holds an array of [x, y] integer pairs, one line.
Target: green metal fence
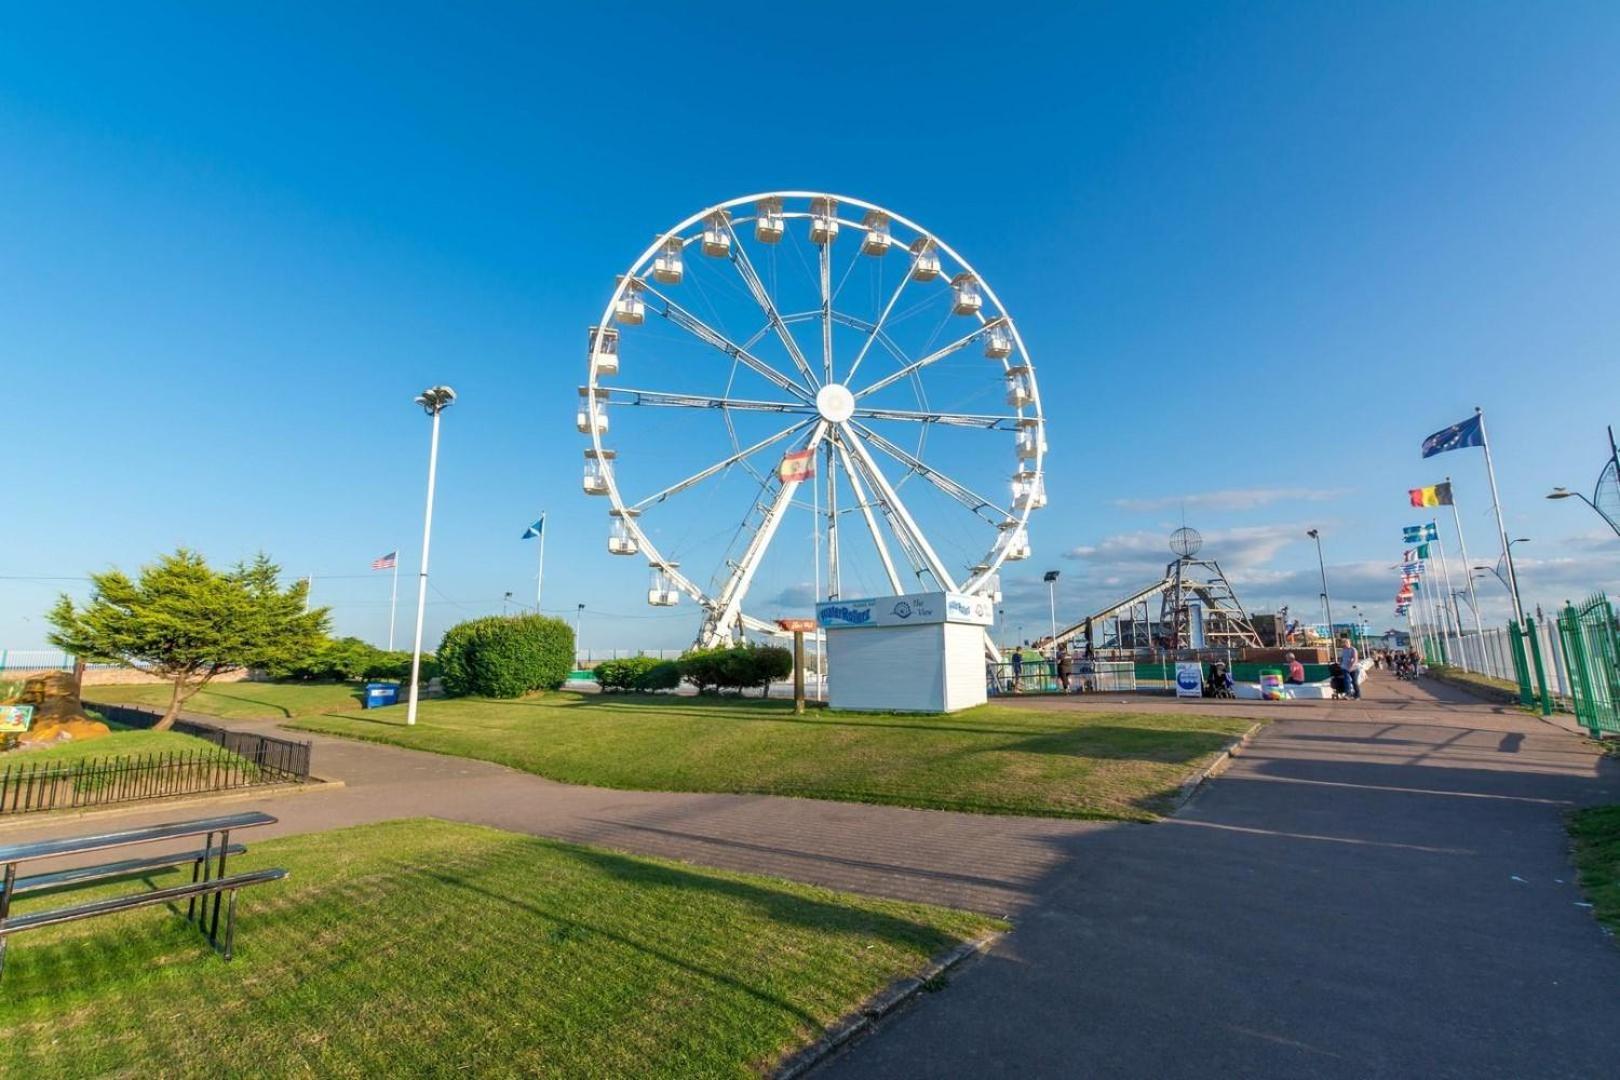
{"points": [[1591, 642]]}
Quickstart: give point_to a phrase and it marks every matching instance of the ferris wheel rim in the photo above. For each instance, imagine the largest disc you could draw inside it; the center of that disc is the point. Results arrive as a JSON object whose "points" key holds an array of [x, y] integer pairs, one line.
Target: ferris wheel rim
{"points": [[1015, 516]]}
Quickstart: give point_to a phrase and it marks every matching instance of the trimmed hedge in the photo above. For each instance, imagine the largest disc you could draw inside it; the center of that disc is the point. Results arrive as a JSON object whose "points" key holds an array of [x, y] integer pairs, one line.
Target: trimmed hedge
{"points": [[736, 668], [502, 656], [644, 673], [348, 659]]}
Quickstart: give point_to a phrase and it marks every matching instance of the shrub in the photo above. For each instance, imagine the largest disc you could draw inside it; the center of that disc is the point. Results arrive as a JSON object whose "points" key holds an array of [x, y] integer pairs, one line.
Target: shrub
{"points": [[735, 668], [663, 675], [623, 674], [506, 656]]}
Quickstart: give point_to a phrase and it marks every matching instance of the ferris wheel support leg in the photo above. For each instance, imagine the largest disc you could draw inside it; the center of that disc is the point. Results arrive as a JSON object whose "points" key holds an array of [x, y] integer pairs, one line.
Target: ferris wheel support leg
{"points": [[729, 602], [935, 565], [871, 521], [834, 583]]}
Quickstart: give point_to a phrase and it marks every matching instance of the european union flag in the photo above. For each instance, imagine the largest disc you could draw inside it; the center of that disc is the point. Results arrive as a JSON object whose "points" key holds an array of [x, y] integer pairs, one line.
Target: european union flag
{"points": [[1455, 437]]}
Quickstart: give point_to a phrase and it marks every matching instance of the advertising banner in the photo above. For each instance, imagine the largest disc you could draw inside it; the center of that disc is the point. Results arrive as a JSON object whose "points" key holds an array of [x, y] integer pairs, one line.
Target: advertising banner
{"points": [[1189, 679]]}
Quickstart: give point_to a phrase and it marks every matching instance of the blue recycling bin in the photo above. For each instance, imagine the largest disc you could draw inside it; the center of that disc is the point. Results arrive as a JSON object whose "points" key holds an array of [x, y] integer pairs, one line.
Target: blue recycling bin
{"points": [[379, 694]]}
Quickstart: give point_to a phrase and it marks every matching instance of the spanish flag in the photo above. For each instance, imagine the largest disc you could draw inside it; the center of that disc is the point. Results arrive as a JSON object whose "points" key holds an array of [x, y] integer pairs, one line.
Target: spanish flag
{"points": [[797, 467], [1438, 495]]}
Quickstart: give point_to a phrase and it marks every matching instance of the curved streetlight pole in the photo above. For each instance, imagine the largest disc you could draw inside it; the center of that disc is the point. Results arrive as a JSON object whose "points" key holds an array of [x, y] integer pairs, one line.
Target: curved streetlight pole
{"points": [[434, 400], [1564, 493], [1327, 605]]}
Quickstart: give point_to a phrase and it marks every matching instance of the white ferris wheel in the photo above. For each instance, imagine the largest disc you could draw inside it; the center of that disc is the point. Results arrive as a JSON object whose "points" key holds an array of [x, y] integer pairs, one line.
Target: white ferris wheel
{"points": [[807, 394]]}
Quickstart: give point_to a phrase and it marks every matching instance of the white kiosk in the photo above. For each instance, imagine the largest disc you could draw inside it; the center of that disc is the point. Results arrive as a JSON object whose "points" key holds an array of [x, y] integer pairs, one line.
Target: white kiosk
{"points": [[922, 652]]}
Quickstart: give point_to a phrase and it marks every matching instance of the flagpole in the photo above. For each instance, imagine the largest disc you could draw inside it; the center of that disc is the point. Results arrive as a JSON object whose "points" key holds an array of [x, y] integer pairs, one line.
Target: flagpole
{"points": [[1450, 599], [1501, 525], [540, 573], [1473, 598], [393, 601]]}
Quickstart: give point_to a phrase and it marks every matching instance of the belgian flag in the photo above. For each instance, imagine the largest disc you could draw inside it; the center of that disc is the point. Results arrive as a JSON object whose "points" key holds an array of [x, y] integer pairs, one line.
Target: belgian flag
{"points": [[1438, 495]]}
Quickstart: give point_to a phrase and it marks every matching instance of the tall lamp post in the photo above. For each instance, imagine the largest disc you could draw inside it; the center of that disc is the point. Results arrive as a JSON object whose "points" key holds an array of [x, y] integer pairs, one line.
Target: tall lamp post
{"points": [[1564, 493], [579, 620], [434, 400], [1051, 600], [1327, 606]]}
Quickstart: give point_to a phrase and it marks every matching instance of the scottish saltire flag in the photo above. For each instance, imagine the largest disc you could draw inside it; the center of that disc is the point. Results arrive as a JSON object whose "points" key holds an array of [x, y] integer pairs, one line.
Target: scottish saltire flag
{"points": [[534, 530], [797, 466], [385, 562], [1434, 495], [1411, 534], [1430, 532], [1455, 437]]}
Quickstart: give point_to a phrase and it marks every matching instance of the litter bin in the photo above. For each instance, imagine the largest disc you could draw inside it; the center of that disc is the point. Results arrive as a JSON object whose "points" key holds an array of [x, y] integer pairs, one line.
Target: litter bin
{"points": [[379, 694]]}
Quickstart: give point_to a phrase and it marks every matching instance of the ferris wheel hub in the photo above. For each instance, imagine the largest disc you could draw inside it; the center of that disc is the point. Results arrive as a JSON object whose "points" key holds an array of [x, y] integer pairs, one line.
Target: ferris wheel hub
{"points": [[835, 403]]}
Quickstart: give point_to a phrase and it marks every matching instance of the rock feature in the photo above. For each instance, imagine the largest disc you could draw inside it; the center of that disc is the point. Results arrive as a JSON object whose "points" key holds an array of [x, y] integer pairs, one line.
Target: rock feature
{"points": [[58, 714]]}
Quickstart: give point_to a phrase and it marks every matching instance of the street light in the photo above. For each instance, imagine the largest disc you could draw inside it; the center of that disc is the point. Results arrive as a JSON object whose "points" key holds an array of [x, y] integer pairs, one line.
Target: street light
{"points": [[1327, 605], [579, 619], [434, 400], [1565, 493], [1051, 599]]}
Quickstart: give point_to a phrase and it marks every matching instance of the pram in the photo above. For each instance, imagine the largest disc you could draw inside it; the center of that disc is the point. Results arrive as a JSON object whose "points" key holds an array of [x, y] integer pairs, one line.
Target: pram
{"points": [[1339, 680], [1220, 681]]}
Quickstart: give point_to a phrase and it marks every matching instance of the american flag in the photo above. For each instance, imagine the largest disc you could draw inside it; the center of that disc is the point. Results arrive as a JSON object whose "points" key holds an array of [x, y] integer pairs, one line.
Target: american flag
{"points": [[386, 562]]}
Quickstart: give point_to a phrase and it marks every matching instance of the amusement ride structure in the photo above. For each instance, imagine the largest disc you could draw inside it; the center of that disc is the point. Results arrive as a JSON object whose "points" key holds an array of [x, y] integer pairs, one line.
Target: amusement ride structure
{"points": [[1197, 608], [843, 378]]}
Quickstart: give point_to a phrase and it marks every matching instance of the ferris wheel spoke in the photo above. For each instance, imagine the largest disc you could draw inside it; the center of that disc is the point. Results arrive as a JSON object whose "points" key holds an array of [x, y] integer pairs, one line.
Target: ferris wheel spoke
{"points": [[859, 491], [877, 327], [963, 494], [709, 335], [762, 297], [825, 260], [621, 395], [970, 420], [908, 524], [932, 358], [728, 603], [719, 466]]}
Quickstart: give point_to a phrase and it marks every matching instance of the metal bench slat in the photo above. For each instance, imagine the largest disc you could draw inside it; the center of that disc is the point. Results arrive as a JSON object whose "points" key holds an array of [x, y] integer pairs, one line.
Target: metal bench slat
{"points": [[83, 874], [78, 845], [122, 903]]}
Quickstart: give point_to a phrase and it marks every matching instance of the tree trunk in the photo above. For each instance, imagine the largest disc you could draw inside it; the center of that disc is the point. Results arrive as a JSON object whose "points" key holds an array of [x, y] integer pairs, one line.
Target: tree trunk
{"points": [[173, 712]]}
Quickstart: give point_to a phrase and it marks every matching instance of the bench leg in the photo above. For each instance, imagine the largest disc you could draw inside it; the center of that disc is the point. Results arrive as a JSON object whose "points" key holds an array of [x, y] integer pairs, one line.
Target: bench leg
{"points": [[5, 909], [230, 925], [213, 928], [197, 869]]}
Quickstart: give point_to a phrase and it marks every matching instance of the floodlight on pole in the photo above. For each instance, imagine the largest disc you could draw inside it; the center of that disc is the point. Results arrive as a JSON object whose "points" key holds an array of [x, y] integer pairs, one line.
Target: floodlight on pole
{"points": [[1050, 578], [434, 400], [1327, 605], [1565, 493]]}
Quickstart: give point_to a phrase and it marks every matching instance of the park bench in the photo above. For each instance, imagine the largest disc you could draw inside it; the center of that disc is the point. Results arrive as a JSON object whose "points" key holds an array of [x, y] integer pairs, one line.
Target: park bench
{"points": [[209, 880]]}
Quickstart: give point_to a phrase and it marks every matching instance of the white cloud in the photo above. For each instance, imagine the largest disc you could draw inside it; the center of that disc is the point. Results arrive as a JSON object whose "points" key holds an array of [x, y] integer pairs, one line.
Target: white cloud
{"points": [[1245, 546], [1233, 499], [796, 596]]}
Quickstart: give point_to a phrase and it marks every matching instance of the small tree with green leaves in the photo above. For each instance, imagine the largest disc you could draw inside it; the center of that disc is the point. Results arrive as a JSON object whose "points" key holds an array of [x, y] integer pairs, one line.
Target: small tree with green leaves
{"points": [[188, 623]]}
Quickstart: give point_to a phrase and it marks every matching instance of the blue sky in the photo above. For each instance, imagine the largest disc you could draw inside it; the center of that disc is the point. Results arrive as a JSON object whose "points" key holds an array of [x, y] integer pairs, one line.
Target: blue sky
{"points": [[1257, 252]]}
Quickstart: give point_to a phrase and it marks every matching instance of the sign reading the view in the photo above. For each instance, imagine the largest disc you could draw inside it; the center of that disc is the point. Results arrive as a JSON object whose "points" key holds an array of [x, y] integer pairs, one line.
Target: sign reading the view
{"points": [[908, 610], [1189, 679], [15, 719]]}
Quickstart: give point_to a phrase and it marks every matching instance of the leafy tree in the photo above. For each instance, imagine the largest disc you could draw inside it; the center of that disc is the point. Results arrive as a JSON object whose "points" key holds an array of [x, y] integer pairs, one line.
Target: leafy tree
{"points": [[187, 622]]}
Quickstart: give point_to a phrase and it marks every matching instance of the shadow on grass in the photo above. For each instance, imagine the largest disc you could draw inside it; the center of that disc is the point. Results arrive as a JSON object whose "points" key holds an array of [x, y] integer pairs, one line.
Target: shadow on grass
{"points": [[357, 693]]}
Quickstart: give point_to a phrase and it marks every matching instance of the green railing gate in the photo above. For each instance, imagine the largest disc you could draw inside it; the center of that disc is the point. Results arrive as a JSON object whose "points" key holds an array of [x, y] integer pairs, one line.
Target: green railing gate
{"points": [[1592, 647]]}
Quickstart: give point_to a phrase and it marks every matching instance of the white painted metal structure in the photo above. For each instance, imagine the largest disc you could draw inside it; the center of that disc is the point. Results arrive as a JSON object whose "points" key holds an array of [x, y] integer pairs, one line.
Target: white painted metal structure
{"points": [[829, 400]]}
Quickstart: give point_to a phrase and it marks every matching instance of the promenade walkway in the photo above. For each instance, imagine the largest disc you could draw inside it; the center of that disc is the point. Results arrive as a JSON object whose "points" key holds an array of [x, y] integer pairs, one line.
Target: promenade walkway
{"points": [[1375, 888]]}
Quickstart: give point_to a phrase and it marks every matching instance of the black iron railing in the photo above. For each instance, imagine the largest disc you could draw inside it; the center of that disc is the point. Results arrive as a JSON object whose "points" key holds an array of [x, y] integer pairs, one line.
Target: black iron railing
{"points": [[237, 760]]}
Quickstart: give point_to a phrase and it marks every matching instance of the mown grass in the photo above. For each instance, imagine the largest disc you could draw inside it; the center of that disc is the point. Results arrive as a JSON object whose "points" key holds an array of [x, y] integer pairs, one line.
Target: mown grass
{"points": [[992, 759], [239, 700], [1596, 832], [122, 741], [425, 948]]}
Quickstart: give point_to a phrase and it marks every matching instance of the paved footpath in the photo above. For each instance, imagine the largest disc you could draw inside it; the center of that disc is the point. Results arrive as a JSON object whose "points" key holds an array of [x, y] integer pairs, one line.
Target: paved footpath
{"points": [[1375, 888]]}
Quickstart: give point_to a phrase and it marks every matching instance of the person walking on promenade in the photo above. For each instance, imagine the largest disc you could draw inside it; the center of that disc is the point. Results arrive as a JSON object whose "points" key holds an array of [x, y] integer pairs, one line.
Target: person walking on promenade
{"points": [[1350, 660], [1017, 669], [1065, 668]]}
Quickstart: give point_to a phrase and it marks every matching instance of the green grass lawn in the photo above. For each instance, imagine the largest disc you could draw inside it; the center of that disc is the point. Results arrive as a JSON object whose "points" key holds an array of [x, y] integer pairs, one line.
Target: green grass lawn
{"points": [[239, 700], [991, 759], [121, 741], [1597, 859], [425, 948]]}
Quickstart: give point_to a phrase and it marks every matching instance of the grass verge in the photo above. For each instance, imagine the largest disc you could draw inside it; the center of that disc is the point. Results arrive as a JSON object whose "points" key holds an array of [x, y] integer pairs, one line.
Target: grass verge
{"points": [[420, 948], [239, 700], [992, 759], [122, 741], [1596, 832]]}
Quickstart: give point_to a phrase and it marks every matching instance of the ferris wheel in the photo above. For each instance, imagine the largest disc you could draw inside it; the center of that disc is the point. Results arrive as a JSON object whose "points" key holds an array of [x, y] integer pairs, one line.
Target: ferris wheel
{"points": [[818, 360]]}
